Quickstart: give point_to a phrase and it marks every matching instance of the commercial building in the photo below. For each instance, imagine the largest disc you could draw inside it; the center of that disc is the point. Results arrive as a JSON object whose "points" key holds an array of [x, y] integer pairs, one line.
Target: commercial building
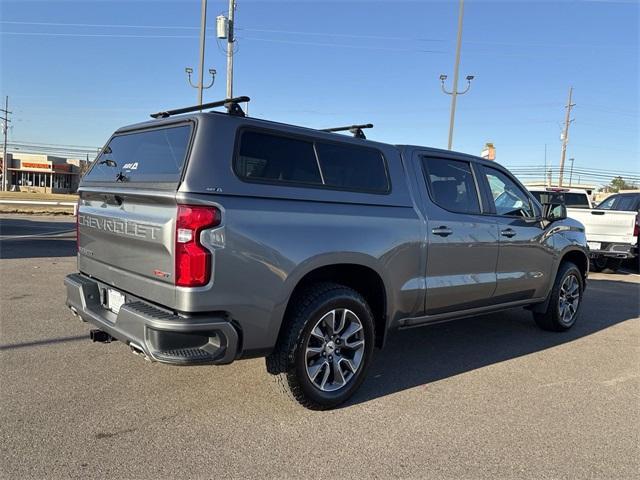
{"points": [[31, 172]]}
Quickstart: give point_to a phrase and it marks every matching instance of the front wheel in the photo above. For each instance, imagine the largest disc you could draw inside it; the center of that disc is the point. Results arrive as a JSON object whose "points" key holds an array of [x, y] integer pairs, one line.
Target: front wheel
{"points": [[565, 301], [322, 357]]}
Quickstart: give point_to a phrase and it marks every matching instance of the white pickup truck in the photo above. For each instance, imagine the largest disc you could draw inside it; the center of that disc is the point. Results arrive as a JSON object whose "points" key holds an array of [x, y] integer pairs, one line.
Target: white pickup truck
{"points": [[612, 235]]}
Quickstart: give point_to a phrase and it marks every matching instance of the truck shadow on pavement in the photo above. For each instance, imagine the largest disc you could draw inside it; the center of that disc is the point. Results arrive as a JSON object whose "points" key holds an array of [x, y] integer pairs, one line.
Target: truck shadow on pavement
{"points": [[424, 355], [39, 343], [26, 238]]}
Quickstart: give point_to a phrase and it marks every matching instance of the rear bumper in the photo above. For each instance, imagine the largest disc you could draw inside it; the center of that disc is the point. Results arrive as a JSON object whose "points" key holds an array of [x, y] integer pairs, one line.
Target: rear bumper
{"points": [[160, 335], [614, 250]]}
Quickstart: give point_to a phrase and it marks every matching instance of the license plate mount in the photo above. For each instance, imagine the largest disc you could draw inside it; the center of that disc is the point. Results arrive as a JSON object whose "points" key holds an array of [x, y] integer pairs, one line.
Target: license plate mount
{"points": [[115, 300], [594, 245]]}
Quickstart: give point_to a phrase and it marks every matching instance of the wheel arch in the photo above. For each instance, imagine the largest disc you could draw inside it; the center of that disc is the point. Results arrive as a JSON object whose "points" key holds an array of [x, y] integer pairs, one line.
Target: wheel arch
{"points": [[579, 259], [361, 277], [574, 255]]}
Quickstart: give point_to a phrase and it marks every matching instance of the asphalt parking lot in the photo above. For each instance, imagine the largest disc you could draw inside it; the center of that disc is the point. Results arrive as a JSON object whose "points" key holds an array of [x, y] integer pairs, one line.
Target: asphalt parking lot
{"points": [[487, 397]]}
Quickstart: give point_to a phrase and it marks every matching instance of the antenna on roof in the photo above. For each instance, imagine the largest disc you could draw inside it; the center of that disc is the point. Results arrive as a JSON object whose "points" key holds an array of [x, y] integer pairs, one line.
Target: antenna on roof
{"points": [[231, 104], [356, 130]]}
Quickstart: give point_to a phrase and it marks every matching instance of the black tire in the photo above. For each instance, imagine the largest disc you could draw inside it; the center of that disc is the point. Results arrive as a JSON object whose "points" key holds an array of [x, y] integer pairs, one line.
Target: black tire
{"points": [[288, 362], [598, 263], [614, 264], [552, 319]]}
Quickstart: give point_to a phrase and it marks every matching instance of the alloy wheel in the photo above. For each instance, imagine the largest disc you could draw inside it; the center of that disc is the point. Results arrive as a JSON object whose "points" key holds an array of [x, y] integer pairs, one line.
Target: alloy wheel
{"points": [[569, 299], [334, 350]]}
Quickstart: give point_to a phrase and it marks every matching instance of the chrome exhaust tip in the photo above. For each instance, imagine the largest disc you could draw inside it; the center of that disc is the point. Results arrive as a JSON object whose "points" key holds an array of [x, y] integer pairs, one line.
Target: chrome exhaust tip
{"points": [[137, 350]]}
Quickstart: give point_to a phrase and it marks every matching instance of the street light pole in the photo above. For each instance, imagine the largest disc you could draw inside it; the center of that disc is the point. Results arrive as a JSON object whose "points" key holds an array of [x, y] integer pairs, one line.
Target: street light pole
{"points": [[203, 30], [456, 68], [454, 91]]}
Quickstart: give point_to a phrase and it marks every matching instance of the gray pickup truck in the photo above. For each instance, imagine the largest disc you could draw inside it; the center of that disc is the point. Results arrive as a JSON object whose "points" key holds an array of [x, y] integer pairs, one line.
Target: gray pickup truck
{"points": [[208, 237]]}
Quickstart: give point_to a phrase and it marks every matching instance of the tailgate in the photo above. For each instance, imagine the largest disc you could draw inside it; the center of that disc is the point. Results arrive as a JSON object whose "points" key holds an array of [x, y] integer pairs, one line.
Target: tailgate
{"points": [[127, 211], [606, 225]]}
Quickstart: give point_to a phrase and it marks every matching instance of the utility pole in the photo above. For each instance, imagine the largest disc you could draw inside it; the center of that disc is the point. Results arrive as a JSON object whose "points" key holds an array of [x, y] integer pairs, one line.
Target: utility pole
{"points": [[565, 136], [5, 131], [544, 172], [454, 91], [571, 174], [230, 41], [203, 30]]}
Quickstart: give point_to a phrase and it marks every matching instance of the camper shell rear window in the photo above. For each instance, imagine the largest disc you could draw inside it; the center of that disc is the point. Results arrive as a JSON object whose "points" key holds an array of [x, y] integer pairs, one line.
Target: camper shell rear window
{"points": [[147, 156]]}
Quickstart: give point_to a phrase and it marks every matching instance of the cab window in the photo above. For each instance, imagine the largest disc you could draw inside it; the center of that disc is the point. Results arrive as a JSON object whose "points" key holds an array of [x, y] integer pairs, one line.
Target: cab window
{"points": [[508, 198], [451, 185], [608, 203], [627, 203]]}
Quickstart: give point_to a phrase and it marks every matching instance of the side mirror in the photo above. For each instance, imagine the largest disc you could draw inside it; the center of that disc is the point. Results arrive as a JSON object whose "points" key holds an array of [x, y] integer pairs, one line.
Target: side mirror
{"points": [[555, 213], [553, 206]]}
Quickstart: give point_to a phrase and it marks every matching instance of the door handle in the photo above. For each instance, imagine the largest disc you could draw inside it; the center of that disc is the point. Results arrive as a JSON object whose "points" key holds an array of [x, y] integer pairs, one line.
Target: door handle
{"points": [[442, 230], [508, 232]]}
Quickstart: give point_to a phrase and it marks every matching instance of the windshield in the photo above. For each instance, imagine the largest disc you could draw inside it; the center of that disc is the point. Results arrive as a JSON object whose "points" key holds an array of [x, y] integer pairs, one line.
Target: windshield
{"points": [[148, 156]]}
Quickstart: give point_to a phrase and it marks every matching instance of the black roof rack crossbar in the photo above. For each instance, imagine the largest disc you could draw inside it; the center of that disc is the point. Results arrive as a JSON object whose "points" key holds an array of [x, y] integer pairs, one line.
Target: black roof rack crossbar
{"points": [[356, 130], [231, 104]]}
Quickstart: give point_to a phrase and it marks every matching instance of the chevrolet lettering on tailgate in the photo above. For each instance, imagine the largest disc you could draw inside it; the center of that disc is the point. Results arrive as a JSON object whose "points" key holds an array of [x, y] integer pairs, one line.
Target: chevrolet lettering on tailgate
{"points": [[120, 227]]}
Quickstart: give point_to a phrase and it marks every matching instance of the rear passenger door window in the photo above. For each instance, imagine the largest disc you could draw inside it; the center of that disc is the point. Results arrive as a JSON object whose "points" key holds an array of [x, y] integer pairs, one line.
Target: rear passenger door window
{"points": [[452, 185], [626, 203], [272, 158]]}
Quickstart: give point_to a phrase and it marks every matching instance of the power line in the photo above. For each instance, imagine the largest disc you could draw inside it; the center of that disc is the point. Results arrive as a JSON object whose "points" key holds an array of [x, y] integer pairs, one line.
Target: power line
{"points": [[606, 178], [25, 142], [341, 45], [108, 35], [271, 40], [98, 25], [585, 169], [307, 33], [245, 29]]}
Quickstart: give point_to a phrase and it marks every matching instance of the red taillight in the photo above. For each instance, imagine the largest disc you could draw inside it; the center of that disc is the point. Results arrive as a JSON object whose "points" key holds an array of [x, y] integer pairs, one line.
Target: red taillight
{"points": [[636, 228], [193, 261]]}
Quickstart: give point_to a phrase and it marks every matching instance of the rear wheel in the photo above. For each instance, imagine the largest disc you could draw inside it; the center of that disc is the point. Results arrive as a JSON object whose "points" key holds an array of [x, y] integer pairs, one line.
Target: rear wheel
{"points": [[322, 357], [566, 299]]}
